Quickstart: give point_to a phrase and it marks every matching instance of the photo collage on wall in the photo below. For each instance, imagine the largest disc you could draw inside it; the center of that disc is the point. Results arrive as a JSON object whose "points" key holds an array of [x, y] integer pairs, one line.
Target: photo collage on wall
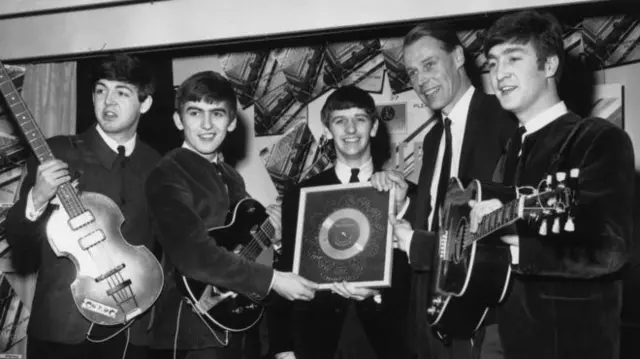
{"points": [[283, 90]]}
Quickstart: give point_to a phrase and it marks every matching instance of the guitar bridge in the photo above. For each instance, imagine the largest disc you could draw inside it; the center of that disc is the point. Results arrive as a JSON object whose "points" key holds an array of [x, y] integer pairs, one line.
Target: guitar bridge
{"points": [[110, 273]]}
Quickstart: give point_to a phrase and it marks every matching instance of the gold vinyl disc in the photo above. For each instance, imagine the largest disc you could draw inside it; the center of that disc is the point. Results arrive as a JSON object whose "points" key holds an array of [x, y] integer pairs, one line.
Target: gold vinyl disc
{"points": [[344, 233]]}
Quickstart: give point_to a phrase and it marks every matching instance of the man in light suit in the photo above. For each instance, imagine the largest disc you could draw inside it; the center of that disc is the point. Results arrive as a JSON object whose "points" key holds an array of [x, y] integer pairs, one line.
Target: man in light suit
{"points": [[469, 134]]}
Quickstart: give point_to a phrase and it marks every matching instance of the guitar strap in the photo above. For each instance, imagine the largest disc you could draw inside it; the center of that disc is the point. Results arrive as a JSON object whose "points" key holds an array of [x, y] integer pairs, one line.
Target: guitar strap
{"points": [[78, 151]]}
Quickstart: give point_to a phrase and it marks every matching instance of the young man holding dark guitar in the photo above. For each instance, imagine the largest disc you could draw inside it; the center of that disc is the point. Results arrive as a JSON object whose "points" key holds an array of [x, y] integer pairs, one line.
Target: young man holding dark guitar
{"points": [[122, 92], [191, 191], [566, 296], [351, 322]]}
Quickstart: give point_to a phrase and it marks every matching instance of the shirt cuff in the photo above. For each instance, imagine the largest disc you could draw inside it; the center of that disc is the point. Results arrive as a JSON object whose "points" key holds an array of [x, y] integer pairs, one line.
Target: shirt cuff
{"points": [[31, 213], [515, 254], [409, 247], [404, 209], [284, 355], [273, 280]]}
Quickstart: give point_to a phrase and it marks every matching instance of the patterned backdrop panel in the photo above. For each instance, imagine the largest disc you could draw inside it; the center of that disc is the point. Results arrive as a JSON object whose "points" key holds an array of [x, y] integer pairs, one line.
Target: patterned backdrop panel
{"points": [[283, 90]]}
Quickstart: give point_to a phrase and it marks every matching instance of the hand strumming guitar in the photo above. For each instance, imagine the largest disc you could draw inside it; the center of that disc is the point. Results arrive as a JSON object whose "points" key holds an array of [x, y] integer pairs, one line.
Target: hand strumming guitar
{"points": [[275, 216]]}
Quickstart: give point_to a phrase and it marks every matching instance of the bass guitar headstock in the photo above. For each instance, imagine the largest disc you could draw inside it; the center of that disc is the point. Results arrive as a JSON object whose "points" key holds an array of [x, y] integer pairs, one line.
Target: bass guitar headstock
{"points": [[553, 203]]}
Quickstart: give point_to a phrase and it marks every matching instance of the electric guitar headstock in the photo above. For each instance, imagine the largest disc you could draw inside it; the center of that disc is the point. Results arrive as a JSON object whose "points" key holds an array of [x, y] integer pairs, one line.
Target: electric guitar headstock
{"points": [[553, 203]]}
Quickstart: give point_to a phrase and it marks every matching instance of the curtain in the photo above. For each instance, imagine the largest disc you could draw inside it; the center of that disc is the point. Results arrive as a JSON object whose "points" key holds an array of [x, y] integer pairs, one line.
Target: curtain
{"points": [[49, 90]]}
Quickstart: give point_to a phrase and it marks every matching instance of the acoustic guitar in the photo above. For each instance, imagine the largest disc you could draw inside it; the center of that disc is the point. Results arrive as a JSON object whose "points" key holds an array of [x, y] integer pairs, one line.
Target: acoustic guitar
{"points": [[473, 270]]}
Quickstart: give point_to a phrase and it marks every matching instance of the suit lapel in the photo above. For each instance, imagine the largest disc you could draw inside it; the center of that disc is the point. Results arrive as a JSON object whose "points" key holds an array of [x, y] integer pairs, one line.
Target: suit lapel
{"points": [[472, 131], [333, 177], [327, 177]]}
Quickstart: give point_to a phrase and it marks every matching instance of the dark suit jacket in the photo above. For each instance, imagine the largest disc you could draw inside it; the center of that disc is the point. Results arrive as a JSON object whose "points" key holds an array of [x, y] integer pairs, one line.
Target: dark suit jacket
{"points": [[188, 195], [566, 296], [488, 129], [313, 329], [54, 316]]}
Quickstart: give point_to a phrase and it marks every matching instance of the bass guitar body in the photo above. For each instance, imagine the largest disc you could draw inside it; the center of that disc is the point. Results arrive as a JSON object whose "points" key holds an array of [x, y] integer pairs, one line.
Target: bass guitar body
{"points": [[115, 281]]}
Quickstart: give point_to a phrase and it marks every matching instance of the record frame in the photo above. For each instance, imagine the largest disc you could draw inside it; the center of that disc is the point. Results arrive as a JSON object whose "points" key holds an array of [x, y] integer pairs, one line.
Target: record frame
{"points": [[343, 234]]}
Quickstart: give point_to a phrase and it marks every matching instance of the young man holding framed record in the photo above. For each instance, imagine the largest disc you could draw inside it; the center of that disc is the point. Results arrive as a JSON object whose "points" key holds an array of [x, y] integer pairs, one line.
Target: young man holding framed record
{"points": [[348, 321]]}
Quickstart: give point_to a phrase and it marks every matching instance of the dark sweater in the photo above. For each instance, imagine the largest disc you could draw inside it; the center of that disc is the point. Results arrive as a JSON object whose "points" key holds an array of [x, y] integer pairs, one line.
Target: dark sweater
{"points": [[189, 195], [600, 244], [565, 299], [54, 316]]}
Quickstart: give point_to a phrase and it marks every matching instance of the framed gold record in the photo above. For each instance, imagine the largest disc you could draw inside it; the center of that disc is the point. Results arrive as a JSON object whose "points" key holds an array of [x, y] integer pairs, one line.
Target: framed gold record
{"points": [[343, 234]]}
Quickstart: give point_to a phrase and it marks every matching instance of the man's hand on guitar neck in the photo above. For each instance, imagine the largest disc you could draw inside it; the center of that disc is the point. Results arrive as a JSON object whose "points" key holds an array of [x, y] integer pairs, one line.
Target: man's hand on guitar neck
{"points": [[33, 212], [49, 176], [481, 209], [293, 287], [275, 216]]}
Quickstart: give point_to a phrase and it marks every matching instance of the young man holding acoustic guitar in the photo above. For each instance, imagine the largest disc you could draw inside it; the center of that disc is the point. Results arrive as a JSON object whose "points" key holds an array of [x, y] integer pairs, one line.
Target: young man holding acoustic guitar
{"points": [[566, 294], [191, 191], [122, 92]]}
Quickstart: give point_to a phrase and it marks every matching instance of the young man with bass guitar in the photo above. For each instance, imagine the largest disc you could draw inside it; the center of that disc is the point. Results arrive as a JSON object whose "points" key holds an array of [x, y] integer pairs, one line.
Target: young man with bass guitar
{"points": [[77, 302]]}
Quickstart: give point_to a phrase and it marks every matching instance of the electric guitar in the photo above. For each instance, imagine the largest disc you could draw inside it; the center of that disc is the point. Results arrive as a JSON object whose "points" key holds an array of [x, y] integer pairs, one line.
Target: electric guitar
{"points": [[471, 275], [249, 234], [115, 281]]}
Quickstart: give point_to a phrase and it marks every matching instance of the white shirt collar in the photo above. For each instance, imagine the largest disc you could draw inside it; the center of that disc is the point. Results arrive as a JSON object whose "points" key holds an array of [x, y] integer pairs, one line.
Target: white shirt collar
{"points": [[218, 157], [113, 145], [461, 108], [545, 117], [344, 172]]}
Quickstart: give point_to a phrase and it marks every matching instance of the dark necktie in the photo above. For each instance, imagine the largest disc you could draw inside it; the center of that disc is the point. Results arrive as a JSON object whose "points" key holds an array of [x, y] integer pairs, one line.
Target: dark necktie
{"points": [[354, 175], [515, 145], [119, 165], [445, 173], [120, 158]]}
